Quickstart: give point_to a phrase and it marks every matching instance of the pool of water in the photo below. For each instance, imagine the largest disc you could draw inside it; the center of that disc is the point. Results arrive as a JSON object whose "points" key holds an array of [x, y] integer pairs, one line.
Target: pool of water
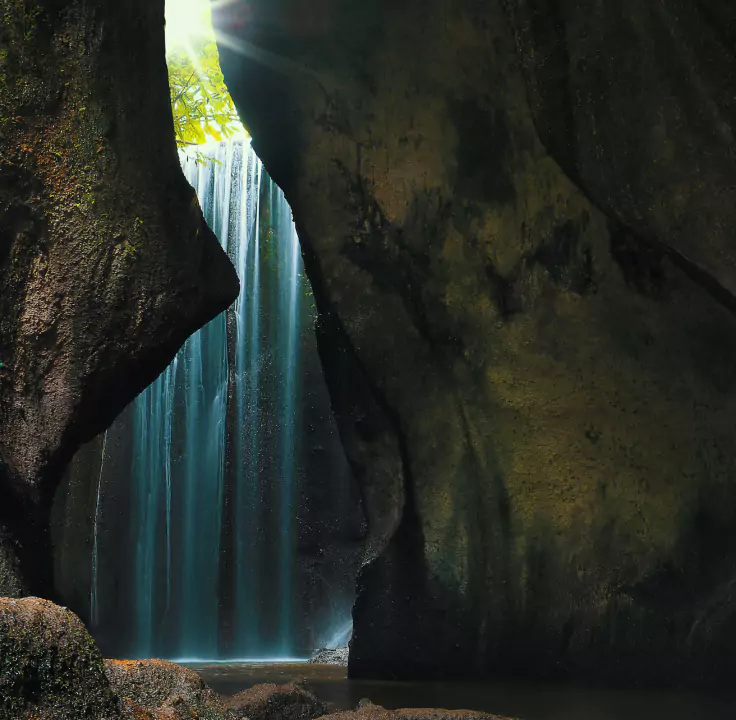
{"points": [[525, 700]]}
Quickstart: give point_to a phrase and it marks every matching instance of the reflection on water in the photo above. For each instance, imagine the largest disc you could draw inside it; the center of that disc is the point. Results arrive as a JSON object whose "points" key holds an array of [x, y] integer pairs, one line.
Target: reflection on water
{"points": [[529, 701]]}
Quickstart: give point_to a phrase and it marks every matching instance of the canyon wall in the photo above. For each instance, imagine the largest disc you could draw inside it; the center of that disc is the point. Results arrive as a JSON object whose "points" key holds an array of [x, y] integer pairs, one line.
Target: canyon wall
{"points": [[517, 218], [106, 265]]}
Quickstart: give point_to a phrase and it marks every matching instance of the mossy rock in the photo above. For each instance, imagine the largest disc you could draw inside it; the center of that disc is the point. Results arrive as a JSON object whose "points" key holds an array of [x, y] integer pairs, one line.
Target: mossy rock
{"points": [[49, 665], [276, 702], [163, 690]]}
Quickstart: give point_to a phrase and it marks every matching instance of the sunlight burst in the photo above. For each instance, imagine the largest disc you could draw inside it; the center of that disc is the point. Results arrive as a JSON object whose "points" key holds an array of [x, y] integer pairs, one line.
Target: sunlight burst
{"points": [[187, 20], [203, 110]]}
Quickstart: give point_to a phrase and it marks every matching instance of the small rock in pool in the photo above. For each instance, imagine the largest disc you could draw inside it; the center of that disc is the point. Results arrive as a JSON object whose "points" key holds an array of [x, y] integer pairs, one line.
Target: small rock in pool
{"points": [[338, 656], [276, 702]]}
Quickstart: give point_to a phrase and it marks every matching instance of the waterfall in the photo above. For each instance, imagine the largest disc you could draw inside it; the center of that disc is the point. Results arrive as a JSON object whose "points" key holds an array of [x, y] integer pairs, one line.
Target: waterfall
{"points": [[246, 255], [93, 592], [289, 311], [152, 423], [183, 447], [226, 524]]}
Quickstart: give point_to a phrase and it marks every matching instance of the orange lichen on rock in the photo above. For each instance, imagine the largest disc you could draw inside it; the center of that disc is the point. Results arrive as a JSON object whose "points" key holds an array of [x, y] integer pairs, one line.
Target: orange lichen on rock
{"points": [[132, 711], [165, 690]]}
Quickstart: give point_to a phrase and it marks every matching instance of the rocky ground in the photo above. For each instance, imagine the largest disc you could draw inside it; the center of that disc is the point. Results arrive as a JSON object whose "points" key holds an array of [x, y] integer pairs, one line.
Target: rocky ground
{"points": [[51, 669]]}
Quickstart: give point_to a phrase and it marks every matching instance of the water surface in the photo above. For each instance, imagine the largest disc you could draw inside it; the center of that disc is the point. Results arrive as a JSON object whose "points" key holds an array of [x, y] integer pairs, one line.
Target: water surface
{"points": [[526, 700]]}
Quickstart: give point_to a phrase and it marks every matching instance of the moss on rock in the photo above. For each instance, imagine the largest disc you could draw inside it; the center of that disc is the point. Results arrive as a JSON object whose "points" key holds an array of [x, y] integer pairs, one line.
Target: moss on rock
{"points": [[164, 689], [106, 264], [10, 581], [50, 666]]}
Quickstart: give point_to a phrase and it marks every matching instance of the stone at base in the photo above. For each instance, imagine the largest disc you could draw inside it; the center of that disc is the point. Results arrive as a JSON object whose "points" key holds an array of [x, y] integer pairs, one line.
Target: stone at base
{"points": [[367, 710], [326, 656], [49, 665], [276, 702], [163, 691]]}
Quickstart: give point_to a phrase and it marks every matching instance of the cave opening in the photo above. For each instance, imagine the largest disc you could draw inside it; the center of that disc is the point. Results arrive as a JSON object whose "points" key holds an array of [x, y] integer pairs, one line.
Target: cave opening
{"points": [[218, 519]]}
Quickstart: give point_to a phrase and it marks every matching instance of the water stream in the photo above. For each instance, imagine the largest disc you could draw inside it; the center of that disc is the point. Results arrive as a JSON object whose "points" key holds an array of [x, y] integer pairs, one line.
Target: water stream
{"points": [[224, 521], [256, 358], [94, 570]]}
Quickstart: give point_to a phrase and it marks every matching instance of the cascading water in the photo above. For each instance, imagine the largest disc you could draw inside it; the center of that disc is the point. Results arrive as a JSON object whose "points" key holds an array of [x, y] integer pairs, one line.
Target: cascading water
{"points": [[225, 522], [93, 608], [188, 404]]}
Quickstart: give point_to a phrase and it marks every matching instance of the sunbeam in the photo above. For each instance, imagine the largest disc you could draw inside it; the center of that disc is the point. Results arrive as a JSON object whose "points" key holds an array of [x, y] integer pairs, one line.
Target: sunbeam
{"points": [[187, 20], [272, 60], [202, 108]]}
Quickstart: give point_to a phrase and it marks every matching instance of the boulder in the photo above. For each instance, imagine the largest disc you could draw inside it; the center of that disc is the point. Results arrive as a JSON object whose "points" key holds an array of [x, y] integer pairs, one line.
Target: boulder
{"points": [[50, 668], [326, 656], [276, 702], [366, 710], [132, 711], [524, 318], [163, 689], [106, 263], [439, 714]]}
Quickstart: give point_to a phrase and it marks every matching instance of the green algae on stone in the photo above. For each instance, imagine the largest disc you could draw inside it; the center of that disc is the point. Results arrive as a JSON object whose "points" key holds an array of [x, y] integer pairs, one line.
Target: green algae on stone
{"points": [[49, 665], [106, 264], [158, 686]]}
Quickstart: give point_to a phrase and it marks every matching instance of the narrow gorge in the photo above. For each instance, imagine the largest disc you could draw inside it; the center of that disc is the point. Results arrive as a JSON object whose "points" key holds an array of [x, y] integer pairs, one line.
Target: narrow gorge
{"points": [[428, 364]]}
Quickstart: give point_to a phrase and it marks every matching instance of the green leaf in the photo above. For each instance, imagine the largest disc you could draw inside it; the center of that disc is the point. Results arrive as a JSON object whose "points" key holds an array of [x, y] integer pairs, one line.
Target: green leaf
{"points": [[201, 104]]}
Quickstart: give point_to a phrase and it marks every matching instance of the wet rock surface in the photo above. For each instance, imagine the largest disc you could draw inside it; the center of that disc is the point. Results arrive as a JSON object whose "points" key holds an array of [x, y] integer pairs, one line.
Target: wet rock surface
{"points": [[366, 710], [635, 101], [523, 320], [50, 667], [276, 702], [106, 264], [163, 689], [439, 714]]}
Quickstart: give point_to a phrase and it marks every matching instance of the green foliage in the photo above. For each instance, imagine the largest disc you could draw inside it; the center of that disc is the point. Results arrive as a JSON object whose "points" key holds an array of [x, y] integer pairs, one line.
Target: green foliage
{"points": [[202, 107]]}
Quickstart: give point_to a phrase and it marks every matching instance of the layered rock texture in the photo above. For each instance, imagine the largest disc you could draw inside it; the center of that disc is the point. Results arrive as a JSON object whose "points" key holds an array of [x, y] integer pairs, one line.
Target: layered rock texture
{"points": [[518, 221], [106, 265]]}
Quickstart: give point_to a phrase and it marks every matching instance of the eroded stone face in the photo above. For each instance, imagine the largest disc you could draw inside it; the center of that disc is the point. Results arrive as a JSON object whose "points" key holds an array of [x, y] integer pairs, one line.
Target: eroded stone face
{"points": [[106, 265], [635, 101], [537, 402]]}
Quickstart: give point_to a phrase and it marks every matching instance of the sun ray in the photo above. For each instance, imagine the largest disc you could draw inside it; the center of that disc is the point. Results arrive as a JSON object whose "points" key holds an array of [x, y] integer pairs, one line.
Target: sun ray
{"points": [[269, 59], [221, 4], [202, 108], [187, 20]]}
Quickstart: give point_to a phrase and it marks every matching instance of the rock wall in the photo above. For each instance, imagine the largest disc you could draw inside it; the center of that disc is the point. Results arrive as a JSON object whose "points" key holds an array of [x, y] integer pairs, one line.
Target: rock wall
{"points": [[106, 265], [635, 101], [523, 324]]}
